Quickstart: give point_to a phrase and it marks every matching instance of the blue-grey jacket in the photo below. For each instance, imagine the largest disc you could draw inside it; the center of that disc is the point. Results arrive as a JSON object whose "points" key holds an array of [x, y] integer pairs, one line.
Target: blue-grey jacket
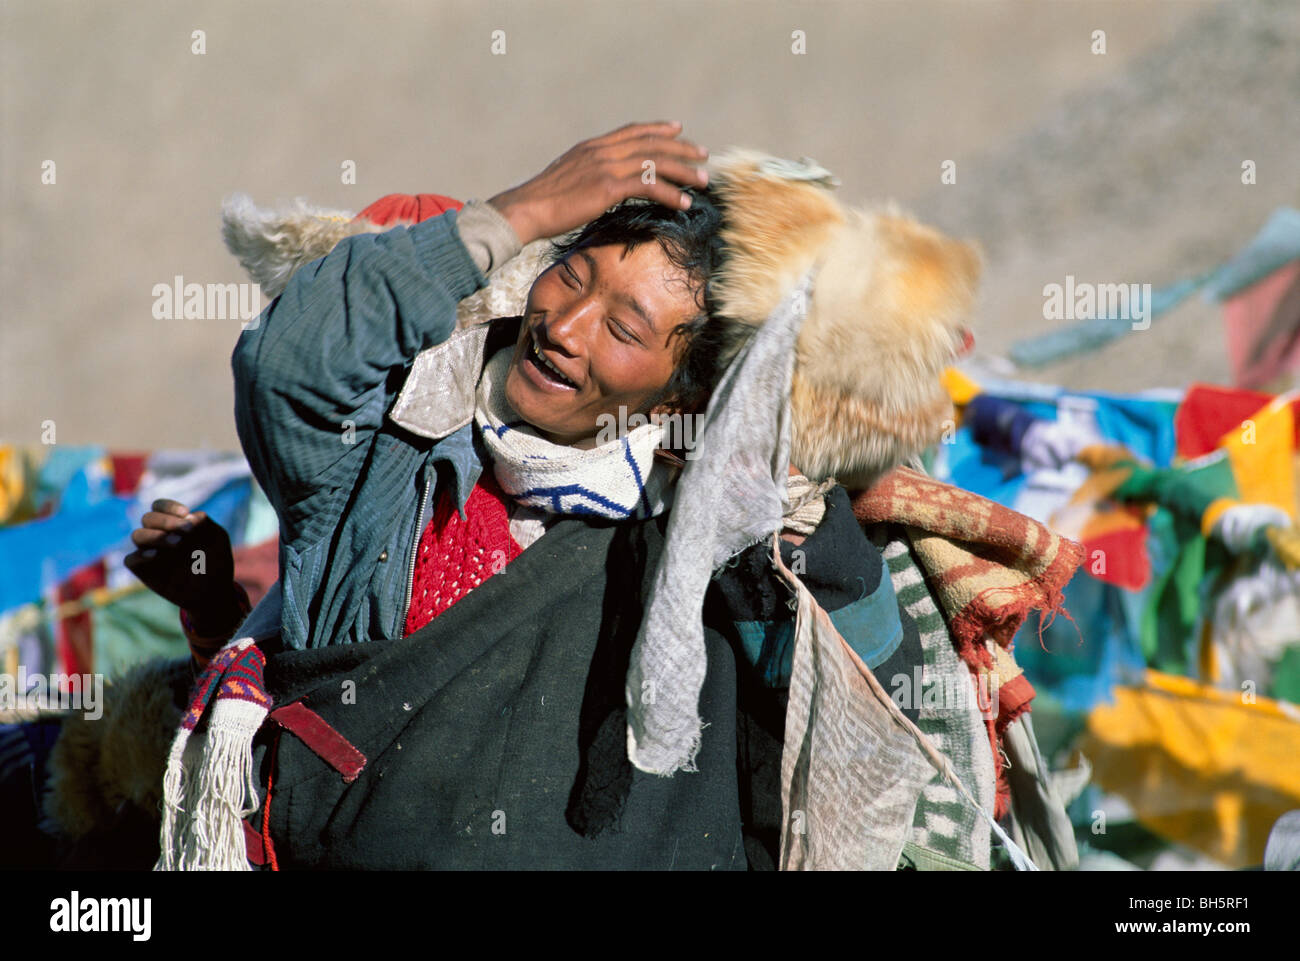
{"points": [[315, 380]]}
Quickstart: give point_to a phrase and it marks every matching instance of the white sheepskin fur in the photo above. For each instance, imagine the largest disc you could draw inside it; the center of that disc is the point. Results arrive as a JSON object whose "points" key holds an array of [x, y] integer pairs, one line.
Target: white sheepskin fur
{"points": [[272, 243]]}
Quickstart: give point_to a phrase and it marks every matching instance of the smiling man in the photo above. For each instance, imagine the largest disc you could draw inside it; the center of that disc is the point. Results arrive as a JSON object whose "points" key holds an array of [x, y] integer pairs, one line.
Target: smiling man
{"points": [[466, 558], [488, 661]]}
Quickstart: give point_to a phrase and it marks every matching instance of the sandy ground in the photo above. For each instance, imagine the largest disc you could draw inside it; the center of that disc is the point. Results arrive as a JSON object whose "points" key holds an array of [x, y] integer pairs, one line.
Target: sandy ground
{"points": [[1116, 167]]}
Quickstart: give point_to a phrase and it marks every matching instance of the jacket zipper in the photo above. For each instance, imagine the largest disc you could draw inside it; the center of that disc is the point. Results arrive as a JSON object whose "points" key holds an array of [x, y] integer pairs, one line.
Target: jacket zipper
{"points": [[415, 550]]}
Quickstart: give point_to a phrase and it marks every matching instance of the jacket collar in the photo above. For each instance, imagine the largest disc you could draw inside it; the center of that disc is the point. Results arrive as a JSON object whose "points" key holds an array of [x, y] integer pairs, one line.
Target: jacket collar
{"points": [[439, 394]]}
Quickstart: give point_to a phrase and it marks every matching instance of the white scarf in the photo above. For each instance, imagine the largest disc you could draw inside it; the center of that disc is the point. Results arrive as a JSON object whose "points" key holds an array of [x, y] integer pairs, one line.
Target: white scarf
{"points": [[619, 479]]}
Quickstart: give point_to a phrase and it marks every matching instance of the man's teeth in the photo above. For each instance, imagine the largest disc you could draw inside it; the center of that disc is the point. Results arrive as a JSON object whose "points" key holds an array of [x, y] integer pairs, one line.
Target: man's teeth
{"points": [[551, 367]]}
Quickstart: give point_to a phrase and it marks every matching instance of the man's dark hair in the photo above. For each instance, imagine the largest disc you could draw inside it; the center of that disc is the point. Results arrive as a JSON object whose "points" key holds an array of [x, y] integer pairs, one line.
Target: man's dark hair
{"points": [[691, 242]]}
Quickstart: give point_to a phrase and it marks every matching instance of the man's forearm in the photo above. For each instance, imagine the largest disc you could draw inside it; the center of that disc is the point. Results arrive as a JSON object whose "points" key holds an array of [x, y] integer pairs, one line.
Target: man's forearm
{"points": [[487, 235]]}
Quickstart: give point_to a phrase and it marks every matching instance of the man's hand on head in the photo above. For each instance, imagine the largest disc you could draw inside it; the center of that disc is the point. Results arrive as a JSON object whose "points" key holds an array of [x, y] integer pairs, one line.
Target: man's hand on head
{"points": [[597, 174]]}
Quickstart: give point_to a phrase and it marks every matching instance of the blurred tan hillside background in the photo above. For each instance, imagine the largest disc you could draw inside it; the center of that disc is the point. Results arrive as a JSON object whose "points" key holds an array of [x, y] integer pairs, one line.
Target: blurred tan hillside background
{"points": [[1118, 167]]}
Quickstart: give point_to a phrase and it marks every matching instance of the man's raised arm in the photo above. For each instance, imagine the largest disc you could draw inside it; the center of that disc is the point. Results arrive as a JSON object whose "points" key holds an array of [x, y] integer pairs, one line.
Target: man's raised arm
{"points": [[316, 375]]}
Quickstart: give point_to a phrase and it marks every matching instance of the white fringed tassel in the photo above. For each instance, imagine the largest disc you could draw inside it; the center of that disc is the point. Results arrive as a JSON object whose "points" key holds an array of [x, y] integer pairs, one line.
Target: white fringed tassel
{"points": [[174, 784], [224, 793]]}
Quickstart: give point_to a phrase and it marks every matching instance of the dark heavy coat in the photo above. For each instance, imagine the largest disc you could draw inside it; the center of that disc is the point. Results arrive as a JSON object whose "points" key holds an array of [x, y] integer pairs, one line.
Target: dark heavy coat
{"points": [[495, 736]]}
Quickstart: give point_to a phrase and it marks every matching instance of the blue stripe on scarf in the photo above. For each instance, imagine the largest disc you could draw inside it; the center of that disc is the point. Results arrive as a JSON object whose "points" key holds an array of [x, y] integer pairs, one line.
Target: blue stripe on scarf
{"points": [[555, 493], [501, 431], [636, 473]]}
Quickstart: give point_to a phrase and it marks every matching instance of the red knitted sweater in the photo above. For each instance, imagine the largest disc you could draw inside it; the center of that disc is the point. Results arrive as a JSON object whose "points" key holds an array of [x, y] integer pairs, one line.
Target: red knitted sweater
{"points": [[455, 556]]}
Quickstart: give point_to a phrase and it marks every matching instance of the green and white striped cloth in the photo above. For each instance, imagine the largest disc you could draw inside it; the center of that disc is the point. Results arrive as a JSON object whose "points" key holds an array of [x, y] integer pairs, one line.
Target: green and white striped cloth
{"points": [[945, 828]]}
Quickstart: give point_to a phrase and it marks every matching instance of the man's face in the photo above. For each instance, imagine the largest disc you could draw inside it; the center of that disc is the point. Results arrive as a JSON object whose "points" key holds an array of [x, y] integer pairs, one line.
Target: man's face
{"points": [[603, 318]]}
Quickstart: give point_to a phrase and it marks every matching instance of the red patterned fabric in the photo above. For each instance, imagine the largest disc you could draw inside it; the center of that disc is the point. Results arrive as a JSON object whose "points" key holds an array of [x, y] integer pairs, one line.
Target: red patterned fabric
{"points": [[987, 565], [457, 555], [235, 673]]}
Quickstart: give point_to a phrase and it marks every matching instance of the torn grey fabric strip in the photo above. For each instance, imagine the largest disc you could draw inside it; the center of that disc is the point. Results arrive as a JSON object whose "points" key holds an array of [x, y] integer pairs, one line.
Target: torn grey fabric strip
{"points": [[733, 494], [944, 824]]}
